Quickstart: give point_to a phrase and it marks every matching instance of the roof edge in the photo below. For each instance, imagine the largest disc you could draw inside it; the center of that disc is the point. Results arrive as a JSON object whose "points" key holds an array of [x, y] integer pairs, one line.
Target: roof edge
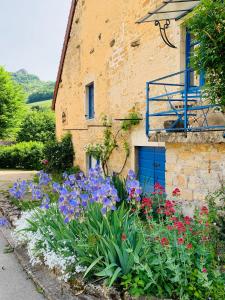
{"points": [[64, 50]]}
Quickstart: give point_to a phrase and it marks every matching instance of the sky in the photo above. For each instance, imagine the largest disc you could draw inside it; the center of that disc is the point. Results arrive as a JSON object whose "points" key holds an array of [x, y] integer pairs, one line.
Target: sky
{"points": [[32, 34]]}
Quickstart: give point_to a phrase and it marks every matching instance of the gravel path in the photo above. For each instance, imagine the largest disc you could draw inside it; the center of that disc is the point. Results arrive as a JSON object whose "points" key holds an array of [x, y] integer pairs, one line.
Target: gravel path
{"points": [[8, 177], [14, 283]]}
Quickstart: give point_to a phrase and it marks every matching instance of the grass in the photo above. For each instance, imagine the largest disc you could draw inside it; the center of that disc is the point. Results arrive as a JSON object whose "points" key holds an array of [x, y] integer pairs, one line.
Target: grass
{"points": [[44, 104]]}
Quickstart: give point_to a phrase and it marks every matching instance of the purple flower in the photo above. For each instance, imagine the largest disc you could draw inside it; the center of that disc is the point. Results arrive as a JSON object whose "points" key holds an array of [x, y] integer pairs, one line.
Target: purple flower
{"points": [[4, 222]]}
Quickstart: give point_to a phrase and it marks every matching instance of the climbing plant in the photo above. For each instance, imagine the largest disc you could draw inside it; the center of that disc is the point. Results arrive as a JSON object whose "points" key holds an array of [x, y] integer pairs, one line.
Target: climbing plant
{"points": [[103, 151], [207, 25]]}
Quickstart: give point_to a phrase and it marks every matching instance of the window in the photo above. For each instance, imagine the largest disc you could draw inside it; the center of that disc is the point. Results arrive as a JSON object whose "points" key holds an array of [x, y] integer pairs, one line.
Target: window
{"points": [[91, 162], [193, 77], [90, 101]]}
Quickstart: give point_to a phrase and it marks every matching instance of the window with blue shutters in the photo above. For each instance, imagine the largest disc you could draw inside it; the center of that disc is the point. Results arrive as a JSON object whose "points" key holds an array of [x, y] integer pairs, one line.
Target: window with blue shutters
{"points": [[90, 101]]}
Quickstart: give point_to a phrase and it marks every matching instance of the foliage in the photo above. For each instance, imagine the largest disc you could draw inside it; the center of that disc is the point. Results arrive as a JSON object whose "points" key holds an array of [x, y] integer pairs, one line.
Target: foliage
{"points": [[120, 185], [208, 27], [147, 247], [25, 155], [133, 119], [37, 126], [216, 203], [59, 155], [103, 151], [36, 89], [12, 105]]}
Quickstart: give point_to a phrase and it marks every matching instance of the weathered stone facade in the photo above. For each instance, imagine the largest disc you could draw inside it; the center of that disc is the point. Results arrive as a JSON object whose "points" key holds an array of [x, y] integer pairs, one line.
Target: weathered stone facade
{"points": [[107, 47]]}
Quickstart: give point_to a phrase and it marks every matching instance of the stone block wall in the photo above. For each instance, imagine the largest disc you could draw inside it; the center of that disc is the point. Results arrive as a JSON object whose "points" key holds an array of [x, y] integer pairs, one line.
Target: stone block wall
{"points": [[197, 169]]}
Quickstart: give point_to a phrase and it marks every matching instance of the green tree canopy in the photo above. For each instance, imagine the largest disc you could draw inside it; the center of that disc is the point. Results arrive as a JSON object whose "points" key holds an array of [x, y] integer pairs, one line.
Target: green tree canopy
{"points": [[207, 24], [12, 105], [36, 89], [37, 126]]}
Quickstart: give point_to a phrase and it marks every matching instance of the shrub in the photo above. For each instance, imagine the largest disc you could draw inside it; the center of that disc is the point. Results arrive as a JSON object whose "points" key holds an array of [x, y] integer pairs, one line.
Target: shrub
{"points": [[37, 126], [25, 155], [59, 155]]}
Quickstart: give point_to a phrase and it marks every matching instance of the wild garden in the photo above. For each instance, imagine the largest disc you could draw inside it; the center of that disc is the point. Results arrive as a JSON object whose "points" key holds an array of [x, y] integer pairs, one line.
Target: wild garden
{"points": [[106, 231]]}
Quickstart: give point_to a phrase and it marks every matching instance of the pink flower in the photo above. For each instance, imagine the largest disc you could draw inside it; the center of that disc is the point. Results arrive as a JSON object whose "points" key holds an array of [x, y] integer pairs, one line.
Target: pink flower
{"points": [[158, 187], [169, 227], [204, 210], [180, 241], [44, 161], [164, 241], [187, 220], [204, 270], [179, 226], [189, 246], [123, 237], [176, 192]]}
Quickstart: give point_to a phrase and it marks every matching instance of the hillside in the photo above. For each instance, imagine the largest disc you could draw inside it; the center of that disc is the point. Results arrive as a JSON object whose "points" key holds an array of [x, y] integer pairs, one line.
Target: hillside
{"points": [[36, 89]]}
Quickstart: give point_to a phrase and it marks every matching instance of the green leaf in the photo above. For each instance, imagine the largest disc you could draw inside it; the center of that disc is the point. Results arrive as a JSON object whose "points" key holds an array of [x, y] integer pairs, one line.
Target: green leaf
{"points": [[92, 265], [116, 274]]}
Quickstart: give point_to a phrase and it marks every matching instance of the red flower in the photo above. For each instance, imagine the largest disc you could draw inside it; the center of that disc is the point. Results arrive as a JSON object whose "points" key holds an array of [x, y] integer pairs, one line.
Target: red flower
{"points": [[158, 187], [204, 270], [187, 220], [205, 238], [123, 237], [204, 210], [159, 211], [168, 204], [189, 246], [169, 227], [180, 241], [44, 161], [176, 192], [164, 241], [146, 202], [179, 226], [173, 218]]}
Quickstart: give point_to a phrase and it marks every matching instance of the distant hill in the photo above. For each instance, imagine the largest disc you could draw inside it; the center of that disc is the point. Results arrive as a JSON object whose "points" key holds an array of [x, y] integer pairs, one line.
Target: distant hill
{"points": [[36, 89]]}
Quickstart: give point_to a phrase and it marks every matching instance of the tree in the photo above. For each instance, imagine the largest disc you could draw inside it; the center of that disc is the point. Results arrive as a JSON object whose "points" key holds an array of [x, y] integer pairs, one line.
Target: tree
{"points": [[12, 105], [37, 126], [207, 25]]}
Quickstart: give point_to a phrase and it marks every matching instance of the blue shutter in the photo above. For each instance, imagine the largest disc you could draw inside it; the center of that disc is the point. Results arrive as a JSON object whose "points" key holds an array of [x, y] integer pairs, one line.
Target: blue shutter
{"points": [[151, 163], [91, 101]]}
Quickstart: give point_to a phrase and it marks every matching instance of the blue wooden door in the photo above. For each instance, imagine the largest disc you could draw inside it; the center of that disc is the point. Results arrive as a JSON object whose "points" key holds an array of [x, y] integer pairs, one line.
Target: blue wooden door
{"points": [[151, 167]]}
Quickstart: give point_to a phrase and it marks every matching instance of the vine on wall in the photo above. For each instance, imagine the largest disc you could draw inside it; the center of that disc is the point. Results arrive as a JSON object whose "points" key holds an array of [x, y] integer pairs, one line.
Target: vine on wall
{"points": [[103, 151]]}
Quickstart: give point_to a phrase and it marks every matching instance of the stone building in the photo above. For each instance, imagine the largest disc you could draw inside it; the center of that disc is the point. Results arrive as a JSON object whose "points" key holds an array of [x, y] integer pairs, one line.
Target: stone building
{"points": [[110, 51]]}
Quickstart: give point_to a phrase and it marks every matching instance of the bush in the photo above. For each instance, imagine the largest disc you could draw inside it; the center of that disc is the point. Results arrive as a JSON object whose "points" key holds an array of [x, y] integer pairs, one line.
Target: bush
{"points": [[59, 155], [37, 126], [25, 155]]}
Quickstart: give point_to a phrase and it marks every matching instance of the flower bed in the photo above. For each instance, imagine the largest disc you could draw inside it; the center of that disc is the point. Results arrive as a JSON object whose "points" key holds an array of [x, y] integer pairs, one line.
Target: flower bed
{"points": [[142, 244]]}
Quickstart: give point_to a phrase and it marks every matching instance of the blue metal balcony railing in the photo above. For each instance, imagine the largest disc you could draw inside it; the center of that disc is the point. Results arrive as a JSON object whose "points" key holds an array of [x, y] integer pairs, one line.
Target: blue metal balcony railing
{"points": [[186, 106]]}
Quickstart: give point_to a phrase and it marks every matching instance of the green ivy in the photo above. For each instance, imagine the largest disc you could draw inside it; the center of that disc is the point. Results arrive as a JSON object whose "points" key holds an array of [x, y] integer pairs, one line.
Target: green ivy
{"points": [[207, 25]]}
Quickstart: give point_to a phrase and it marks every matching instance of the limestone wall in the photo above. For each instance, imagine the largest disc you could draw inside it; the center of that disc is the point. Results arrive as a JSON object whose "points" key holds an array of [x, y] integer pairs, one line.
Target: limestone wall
{"points": [[108, 47], [196, 169]]}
